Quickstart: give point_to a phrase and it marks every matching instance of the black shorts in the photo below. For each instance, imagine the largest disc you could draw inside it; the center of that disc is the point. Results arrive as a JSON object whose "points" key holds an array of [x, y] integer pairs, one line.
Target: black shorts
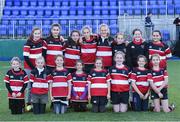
{"points": [[99, 100], [164, 91], [119, 97]]}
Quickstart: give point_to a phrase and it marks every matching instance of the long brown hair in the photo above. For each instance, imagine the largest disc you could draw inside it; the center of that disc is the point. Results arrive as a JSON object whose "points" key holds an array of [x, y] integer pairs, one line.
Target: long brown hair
{"points": [[32, 32]]}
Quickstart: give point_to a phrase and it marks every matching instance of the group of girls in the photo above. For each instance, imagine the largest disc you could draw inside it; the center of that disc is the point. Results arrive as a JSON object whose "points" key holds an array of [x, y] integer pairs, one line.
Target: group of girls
{"points": [[88, 66]]}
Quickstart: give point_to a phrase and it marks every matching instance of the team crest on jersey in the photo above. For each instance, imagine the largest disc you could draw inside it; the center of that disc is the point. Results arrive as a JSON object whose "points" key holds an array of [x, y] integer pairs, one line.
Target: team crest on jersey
{"points": [[114, 70], [94, 74], [74, 78], [142, 46], [21, 78], [11, 76], [74, 47], [132, 47], [83, 78], [162, 72], [50, 42], [150, 46], [138, 73], [54, 73], [154, 73], [123, 72], [44, 76], [34, 46], [160, 48]]}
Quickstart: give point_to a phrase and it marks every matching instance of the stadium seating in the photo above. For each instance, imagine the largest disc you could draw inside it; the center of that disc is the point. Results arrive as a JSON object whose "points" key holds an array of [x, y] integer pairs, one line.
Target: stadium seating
{"points": [[34, 11]]}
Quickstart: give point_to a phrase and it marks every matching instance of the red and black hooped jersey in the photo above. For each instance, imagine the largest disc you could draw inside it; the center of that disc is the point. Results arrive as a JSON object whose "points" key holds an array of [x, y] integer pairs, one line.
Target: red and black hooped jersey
{"points": [[72, 54], [162, 49], [33, 50], [16, 81], [141, 79], [53, 47], [119, 79], [59, 80], [98, 80], [40, 82], [79, 87], [158, 77], [88, 51], [104, 50]]}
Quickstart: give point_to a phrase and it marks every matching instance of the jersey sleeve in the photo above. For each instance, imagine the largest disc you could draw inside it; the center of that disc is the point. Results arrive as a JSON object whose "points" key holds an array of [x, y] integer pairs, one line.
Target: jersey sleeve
{"points": [[25, 79], [165, 73], [6, 78], [26, 50], [168, 51], [133, 76], [69, 77]]}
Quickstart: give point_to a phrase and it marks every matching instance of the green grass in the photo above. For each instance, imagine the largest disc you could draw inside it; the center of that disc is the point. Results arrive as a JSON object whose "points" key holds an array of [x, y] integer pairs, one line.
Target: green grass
{"points": [[174, 77]]}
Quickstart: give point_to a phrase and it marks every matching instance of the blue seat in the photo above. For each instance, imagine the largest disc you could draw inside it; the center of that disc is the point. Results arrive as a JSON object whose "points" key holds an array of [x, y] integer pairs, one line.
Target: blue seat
{"points": [[154, 9], [7, 12], [113, 29], [137, 2], [161, 2], [57, 3], [19, 30], [49, 3], [22, 22], [114, 3], [46, 30], [129, 3], [105, 21], [10, 30], [80, 2], [65, 3], [38, 22], [56, 13], [171, 9], [97, 2], [80, 22], [23, 12], [80, 11], [32, 12], [17, 3], [40, 12], [30, 22], [25, 3], [41, 3], [153, 2], [105, 11], [46, 22], [63, 22], [162, 10], [48, 13], [5, 22], [89, 11], [28, 30], [15, 12], [73, 22], [33, 3], [97, 11], [89, 3], [129, 11], [113, 11], [137, 10], [113, 21], [88, 22], [72, 11], [64, 11], [9, 3], [55, 21], [73, 3], [105, 3], [3, 30]]}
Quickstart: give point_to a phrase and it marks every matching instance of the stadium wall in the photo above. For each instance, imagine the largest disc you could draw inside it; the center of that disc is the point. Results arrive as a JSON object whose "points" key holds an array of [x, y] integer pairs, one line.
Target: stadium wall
{"points": [[11, 48]]}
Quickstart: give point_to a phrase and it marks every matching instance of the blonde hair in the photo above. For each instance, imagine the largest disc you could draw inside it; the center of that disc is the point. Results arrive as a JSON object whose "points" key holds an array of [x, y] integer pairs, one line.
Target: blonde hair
{"points": [[104, 25], [16, 59], [86, 27], [41, 58]]}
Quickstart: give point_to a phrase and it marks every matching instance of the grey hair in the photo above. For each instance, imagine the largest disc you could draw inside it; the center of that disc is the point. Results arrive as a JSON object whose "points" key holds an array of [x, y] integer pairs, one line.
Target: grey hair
{"points": [[105, 25], [16, 59]]}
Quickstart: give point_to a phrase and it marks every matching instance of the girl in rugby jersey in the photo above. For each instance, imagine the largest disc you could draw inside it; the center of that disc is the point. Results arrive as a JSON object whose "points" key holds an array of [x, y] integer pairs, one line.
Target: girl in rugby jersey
{"points": [[99, 86], [54, 46], [72, 51], [159, 47], [159, 85], [104, 43], [39, 79], [88, 48], [16, 81], [60, 86], [79, 96], [33, 48], [119, 83], [140, 78]]}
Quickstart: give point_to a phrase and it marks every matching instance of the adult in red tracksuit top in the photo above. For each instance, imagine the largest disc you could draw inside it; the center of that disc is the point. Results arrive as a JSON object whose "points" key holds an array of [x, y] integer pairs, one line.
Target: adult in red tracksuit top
{"points": [[53, 47], [72, 54], [88, 52], [16, 81], [104, 50]]}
